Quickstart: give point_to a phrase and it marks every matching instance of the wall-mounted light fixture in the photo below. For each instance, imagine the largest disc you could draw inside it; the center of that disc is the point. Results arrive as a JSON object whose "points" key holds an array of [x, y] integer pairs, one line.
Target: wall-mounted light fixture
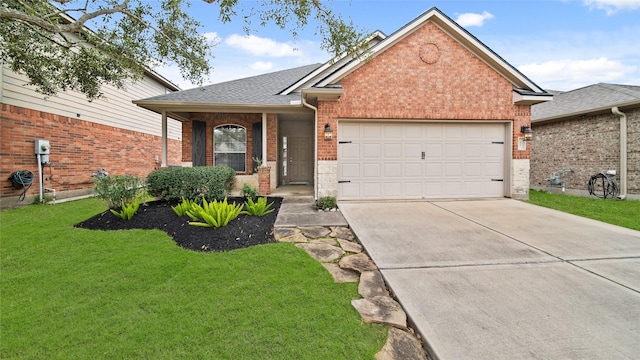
{"points": [[328, 133], [527, 132]]}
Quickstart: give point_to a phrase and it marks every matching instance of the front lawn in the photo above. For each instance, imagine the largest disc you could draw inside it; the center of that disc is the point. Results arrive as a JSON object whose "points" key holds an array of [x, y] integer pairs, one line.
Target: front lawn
{"points": [[617, 212], [71, 293]]}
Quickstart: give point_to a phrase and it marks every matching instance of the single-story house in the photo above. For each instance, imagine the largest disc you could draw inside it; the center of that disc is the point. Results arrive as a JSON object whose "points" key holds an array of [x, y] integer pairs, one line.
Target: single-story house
{"points": [[431, 112], [588, 130]]}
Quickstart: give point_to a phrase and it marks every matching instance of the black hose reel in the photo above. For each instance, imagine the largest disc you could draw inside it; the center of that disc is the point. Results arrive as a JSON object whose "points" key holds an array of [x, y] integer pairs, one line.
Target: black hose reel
{"points": [[22, 179]]}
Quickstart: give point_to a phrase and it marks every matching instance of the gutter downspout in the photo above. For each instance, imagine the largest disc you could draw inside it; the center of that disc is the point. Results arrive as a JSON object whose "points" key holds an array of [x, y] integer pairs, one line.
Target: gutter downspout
{"points": [[623, 151], [315, 145]]}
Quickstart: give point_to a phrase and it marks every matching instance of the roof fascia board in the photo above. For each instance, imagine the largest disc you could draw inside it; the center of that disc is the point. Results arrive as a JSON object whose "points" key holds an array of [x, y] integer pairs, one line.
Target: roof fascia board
{"points": [[327, 68], [177, 107], [323, 94], [622, 107], [529, 99], [458, 33]]}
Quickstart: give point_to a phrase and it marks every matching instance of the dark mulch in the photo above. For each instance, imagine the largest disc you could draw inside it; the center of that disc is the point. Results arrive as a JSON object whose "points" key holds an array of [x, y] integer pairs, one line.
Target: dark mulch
{"points": [[242, 232]]}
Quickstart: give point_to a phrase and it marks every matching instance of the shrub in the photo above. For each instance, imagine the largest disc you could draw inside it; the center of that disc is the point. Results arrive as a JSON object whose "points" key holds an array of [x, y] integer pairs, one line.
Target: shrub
{"points": [[259, 208], [128, 210], [248, 191], [211, 183], [117, 189], [214, 214], [326, 202]]}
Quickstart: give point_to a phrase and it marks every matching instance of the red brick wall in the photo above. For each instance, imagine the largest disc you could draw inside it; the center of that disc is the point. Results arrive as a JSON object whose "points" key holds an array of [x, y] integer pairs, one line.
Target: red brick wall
{"points": [[78, 148], [397, 84]]}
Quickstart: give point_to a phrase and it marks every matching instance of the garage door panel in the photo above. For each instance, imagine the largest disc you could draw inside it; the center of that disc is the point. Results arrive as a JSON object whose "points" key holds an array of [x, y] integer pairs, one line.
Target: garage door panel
{"points": [[372, 190], [392, 170], [452, 151], [350, 170], [371, 171], [412, 170], [392, 151], [372, 132], [420, 160], [371, 151]]}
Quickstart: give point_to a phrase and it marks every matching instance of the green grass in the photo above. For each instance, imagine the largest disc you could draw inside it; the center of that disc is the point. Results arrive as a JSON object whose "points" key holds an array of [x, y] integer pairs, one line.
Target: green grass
{"points": [[70, 293], [617, 212]]}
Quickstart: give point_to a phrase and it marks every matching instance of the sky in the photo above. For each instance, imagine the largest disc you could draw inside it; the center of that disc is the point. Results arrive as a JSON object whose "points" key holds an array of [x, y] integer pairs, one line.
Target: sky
{"points": [[558, 44]]}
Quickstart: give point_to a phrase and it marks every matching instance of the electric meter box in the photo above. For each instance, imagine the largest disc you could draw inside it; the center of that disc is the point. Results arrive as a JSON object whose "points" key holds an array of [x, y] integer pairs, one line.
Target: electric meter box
{"points": [[42, 147]]}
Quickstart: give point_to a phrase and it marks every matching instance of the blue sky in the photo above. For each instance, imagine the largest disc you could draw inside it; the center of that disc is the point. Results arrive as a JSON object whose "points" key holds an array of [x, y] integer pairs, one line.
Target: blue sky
{"points": [[559, 44]]}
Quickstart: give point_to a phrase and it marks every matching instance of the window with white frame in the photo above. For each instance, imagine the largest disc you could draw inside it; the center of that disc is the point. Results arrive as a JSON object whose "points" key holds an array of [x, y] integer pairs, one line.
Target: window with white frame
{"points": [[230, 147]]}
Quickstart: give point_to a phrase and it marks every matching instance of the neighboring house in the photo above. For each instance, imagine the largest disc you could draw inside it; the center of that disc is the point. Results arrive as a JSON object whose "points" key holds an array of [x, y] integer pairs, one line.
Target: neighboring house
{"points": [[581, 130], [431, 113], [109, 133]]}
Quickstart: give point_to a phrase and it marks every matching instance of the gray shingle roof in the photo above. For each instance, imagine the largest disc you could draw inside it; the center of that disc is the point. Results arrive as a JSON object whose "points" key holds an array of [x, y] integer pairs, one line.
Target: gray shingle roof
{"points": [[260, 89], [584, 100]]}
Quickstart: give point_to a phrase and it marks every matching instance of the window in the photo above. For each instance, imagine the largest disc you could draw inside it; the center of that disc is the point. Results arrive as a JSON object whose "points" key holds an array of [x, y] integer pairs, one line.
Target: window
{"points": [[230, 147]]}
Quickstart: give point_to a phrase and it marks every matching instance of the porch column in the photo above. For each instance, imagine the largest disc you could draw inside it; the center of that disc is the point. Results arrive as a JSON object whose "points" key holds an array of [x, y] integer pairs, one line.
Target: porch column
{"points": [[264, 139], [164, 140]]}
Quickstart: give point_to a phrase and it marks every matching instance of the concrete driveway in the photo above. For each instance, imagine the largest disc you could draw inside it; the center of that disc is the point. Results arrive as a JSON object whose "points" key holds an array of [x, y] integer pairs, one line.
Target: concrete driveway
{"points": [[502, 279]]}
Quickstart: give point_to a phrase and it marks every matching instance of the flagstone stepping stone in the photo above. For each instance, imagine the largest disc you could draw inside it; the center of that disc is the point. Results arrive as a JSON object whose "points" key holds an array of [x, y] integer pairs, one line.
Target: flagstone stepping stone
{"points": [[350, 246], [342, 232], [401, 345], [328, 241], [372, 285], [279, 233], [381, 310], [295, 238], [358, 262], [315, 232], [341, 275], [322, 252]]}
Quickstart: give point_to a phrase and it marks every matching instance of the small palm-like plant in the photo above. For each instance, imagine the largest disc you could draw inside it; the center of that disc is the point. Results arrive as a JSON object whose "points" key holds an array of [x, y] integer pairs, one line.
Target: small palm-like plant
{"points": [[182, 208], [128, 210], [259, 208], [214, 214]]}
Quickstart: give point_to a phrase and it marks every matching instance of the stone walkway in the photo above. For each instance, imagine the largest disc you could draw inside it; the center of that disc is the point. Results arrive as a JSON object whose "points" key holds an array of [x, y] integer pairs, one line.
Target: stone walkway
{"points": [[337, 249]]}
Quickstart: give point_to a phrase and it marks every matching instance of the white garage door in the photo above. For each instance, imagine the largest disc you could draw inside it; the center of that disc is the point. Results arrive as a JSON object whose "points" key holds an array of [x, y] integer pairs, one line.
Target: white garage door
{"points": [[420, 160]]}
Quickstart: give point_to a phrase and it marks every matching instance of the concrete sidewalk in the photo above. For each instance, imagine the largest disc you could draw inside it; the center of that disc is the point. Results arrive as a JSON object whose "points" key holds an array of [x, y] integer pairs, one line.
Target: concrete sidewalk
{"points": [[502, 279]]}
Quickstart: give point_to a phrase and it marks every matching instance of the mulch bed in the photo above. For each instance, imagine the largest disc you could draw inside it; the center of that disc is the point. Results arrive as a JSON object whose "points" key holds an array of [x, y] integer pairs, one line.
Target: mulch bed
{"points": [[242, 232]]}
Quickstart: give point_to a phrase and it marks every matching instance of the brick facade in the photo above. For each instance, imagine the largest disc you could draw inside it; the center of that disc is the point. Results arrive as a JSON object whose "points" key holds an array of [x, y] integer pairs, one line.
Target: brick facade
{"points": [[587, 146], [397, 84], [78, 148]]}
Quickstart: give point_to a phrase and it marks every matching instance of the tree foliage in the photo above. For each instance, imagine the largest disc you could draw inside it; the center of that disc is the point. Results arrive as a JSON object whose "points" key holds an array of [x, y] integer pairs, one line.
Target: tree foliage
{"points": [[82, 44]]}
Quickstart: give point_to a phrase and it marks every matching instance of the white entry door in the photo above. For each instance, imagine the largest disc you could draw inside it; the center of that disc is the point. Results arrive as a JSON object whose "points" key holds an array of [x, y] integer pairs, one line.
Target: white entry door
{"points": [[420, 160]]}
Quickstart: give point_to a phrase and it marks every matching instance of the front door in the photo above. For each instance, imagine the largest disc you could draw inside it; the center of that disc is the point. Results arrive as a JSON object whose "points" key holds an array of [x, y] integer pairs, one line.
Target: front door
{"points": [[299, 164], [296, 150]]}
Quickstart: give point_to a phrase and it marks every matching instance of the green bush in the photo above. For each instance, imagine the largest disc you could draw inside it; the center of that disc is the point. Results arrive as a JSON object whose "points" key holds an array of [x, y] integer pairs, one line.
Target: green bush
{"points": [[259, 208], [214, 214], [211, 183], [248, 191], [327, 202], [117, 189], [127, 211]]}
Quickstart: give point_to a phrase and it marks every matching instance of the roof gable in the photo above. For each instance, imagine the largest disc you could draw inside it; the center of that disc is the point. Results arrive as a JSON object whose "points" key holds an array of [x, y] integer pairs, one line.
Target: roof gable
{"points": [[592, 98], [336, 72]]}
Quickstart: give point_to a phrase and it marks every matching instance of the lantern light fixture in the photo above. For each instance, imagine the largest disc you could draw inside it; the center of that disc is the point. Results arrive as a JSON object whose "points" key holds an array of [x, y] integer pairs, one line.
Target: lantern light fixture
{"points": [[328, 132], [527, 132]]}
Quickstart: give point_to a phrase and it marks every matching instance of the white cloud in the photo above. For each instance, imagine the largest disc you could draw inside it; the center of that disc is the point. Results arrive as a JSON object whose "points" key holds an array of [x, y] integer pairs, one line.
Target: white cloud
{"points": [[570, 74], [472, 19], [212, 37], [261, 65], [611, 6], [259, 46]]}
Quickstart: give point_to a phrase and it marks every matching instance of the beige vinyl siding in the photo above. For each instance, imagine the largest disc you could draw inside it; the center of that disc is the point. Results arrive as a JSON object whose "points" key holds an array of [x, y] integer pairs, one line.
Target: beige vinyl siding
{"points": [[116, 109]]}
